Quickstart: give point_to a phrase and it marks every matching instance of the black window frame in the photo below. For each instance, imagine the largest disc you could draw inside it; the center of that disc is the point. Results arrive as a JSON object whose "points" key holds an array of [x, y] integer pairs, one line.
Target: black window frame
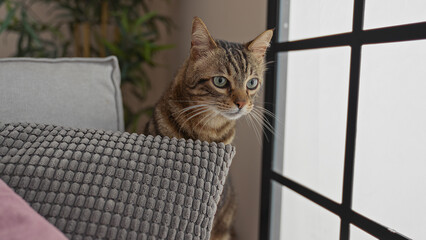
{"points": [[355, 40]]}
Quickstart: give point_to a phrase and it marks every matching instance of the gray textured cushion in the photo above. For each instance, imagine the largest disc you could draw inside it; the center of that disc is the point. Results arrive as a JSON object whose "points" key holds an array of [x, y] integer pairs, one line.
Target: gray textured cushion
{"points": [[112, 185], [73, 92]]}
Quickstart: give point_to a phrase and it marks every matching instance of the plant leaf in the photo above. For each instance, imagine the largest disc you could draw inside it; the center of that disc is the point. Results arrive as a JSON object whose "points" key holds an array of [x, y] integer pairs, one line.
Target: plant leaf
{"points": [[145, 18], [8, 19], [162, 47], [31, 32], [113, 48], [124, 21]]}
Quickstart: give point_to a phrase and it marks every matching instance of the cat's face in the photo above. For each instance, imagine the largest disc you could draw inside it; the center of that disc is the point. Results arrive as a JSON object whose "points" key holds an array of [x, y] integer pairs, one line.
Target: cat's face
{"points": [[229, 79], [225, 76]]}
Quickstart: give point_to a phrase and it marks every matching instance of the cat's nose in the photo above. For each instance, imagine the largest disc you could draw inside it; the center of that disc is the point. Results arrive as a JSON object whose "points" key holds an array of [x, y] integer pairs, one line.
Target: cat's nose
{"points": [[240, 104]]}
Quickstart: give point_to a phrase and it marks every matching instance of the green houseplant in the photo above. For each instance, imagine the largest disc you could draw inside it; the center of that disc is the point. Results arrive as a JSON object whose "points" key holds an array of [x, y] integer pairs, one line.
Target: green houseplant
{"points": [[128, 29]]}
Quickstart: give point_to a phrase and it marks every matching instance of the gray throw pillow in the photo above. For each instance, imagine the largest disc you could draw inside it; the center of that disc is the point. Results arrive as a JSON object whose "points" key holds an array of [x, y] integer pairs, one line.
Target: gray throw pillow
{"points": [[96, 184], [72, 92]]}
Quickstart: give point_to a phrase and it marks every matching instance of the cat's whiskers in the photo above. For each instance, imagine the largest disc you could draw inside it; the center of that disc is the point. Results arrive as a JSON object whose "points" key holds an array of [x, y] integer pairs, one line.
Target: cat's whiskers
{"points": [[191, 114], [270, 114], [206, 116], [194, 115], [261, 124], [190, 101], [193, 107], [278, 123], [221, 107], [249, 120], [209, 117], [227, 110], [263, 120], [201, 108], [256, 117], [197, 102]]}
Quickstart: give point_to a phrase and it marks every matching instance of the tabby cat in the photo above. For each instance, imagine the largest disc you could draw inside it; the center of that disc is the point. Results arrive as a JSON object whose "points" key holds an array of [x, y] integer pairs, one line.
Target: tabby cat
{"points": [[216, 85]]}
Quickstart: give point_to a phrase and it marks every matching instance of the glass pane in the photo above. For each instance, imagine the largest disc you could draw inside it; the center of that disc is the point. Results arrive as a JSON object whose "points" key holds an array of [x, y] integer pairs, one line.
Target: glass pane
{"points": [[303, 219], [358, 234], [390, 179], [315, 109], [306, 18], [393, 12]]}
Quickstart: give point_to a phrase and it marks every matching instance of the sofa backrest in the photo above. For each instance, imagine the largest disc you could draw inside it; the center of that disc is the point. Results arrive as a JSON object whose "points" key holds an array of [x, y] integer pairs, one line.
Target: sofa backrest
{"points": [[72, 92]]}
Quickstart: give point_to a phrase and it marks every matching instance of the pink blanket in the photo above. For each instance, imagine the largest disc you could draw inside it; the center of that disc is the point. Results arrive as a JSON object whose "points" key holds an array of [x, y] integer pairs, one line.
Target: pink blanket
{"points": [[18, 221]]}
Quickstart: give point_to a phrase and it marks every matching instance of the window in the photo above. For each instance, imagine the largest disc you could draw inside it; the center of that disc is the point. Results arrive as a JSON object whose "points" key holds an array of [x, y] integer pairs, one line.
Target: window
{"points": [[348, 84]]}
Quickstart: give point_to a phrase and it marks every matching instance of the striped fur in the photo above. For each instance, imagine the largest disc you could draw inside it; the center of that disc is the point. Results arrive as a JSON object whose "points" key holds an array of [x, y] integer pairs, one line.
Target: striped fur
{"points": [[194, 108]]}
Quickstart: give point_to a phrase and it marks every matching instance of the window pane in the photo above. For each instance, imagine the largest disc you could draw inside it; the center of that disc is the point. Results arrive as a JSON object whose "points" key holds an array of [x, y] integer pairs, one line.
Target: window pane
{"points": [[314, 113], [358, 234], [390, 162], [393, 12], [306, 18], [303, 219]]}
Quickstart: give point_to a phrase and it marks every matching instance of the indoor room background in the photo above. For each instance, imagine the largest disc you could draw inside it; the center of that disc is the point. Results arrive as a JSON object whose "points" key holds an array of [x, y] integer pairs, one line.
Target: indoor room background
{"points": [[347, 83]]}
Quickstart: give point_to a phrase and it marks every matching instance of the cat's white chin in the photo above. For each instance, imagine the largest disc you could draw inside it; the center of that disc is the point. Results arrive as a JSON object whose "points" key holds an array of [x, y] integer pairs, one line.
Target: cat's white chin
{"points": [[235, 115]]}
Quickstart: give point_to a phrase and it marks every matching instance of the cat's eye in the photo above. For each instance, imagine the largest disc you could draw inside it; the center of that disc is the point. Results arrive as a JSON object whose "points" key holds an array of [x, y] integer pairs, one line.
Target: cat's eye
{"points": [[220, 81], [252, 83]]}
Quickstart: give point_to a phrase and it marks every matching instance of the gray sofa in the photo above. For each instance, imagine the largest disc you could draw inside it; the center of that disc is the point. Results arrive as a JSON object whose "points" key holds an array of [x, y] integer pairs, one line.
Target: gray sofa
{"points": [[63, 149]]}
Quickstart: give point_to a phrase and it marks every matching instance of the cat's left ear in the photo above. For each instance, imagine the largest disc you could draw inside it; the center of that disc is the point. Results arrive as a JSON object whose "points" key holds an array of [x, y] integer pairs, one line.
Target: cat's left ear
{"points": [[260, 44]]}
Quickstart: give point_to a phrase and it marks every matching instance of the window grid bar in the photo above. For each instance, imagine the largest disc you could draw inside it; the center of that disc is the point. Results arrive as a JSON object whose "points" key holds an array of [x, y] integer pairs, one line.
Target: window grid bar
{"points": [[407, 32], [354, 75], [355, 39], [364, 223], [267, 147], [351, 125]]}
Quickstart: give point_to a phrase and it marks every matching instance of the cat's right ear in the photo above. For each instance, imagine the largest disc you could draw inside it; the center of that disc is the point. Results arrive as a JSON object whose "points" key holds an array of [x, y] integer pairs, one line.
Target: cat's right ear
{"points": [[260, 44], [201, 41]]}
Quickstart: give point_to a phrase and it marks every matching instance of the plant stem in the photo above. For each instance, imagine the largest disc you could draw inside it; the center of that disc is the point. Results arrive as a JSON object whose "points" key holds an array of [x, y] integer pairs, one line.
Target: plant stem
{"points": [[104, 25], [86, 39], [77, 39]]}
